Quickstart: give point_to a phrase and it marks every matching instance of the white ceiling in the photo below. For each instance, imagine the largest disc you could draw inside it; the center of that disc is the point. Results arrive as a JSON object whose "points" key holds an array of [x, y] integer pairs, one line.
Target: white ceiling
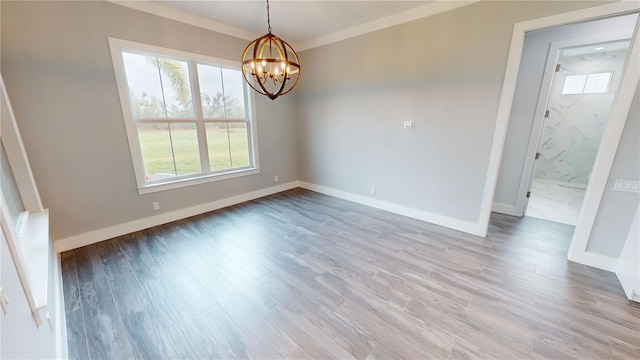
{"points": [[302, 23], [602, 48]]}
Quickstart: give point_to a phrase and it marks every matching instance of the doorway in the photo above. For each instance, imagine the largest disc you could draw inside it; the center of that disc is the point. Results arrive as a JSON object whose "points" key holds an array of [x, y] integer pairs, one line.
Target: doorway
{"points": [[510, 152], [584, 85]]}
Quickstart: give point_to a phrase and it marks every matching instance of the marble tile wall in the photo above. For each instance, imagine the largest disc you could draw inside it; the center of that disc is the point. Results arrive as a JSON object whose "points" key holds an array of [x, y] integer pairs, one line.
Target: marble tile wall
{"points": [[572, 133]]}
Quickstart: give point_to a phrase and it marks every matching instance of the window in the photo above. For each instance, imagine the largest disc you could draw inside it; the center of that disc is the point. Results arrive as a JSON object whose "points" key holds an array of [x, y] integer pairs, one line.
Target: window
{"points": [[586, 84], [9, 189], [188, 117], [23, 221]]}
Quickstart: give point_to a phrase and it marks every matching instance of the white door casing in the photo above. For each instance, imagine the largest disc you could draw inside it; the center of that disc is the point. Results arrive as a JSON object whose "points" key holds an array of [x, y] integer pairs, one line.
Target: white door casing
{"points": [[553, 80], [611, 138]]}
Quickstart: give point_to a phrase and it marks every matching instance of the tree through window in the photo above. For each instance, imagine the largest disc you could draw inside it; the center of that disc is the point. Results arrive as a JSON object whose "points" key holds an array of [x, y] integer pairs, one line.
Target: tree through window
{"points": [[187, 116]]}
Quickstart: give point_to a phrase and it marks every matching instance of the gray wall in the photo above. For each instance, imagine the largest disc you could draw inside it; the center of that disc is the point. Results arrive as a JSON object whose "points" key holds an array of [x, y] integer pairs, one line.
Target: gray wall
{"points": [[534, 57], [444, 72], [57, 68], [617, 208]]}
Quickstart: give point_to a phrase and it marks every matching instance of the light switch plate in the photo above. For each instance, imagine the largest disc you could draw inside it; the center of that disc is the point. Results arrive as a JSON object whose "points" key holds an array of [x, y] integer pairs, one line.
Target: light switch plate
{"points": [[409, 125], [626, 185]]}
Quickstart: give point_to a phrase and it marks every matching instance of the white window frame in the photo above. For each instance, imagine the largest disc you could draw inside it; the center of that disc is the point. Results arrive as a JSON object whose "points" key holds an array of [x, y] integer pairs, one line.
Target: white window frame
{"points": [[116, 47], [587, 77], [29, 241]]}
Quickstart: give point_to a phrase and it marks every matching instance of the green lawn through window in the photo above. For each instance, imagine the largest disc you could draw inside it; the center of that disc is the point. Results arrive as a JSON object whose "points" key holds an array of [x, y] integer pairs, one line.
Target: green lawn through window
{"points": [[225, 151]]}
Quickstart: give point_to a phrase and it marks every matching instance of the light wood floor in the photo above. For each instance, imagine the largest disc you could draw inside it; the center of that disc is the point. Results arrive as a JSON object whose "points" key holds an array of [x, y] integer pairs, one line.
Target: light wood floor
{"points": [[303, 275]]}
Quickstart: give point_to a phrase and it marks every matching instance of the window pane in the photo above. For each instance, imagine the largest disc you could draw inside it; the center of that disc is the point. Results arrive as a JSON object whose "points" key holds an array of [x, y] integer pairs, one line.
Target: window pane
{"points": [[155, 142], [222, 92], [597, 83], [574, 84], [218, 143], [185, 148], [210, 79], [233, 93], [239, 144], [169, 150], [158, 87], [10, 189]]}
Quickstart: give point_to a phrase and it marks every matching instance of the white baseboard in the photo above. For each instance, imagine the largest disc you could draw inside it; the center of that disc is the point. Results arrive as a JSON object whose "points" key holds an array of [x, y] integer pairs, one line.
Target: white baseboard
{"points": [[62, 352], [595, 260], [505, 209], [95, 236], [460, 225]]}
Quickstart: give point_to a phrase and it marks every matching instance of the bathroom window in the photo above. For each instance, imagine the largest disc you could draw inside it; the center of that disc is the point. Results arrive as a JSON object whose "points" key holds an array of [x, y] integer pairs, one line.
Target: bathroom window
{"points": [[587, 84]]}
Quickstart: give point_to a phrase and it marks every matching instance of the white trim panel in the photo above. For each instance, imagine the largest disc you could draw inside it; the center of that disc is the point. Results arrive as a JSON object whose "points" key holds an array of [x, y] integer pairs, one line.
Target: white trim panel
{"points": [[606, 153], [195, 181], [60, 319], [460, 225], [506, 209], [595, 260], [95, 236]]}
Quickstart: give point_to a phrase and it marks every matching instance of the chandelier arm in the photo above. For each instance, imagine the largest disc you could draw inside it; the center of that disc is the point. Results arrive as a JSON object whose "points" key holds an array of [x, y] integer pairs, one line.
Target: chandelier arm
{"points": [[284, 82], [264, 91], [255, 88]]}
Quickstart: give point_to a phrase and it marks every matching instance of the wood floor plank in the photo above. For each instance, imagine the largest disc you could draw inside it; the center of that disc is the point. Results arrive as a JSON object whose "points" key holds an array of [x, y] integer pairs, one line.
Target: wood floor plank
{"points": [[303, 275], [476, 340], [351, 339], [432, 344], [382, 353], [125, 289], [106, 336], [314, 341], [224, 340], [148, 340], [76, 335]]}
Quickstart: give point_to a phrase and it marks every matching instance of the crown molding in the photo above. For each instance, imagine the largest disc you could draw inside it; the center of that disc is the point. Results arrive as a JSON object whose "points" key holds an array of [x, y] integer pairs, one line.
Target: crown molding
{"points": [[432, 8], [167, 12]]}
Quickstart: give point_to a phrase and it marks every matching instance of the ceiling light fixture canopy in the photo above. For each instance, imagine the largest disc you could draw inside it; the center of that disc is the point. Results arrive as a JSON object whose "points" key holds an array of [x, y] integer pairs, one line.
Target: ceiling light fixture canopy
{"points": [[270, 65]]}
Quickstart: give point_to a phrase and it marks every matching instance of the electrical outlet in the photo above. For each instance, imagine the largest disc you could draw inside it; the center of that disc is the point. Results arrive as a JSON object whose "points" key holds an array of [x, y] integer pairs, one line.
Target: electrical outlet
{"points": [[372, 190], [156, 205], [275, 178]]}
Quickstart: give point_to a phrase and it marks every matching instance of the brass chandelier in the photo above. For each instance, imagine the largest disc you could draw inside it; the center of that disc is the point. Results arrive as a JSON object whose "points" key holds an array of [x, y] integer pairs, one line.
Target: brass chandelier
{"points": [[270, 65]]}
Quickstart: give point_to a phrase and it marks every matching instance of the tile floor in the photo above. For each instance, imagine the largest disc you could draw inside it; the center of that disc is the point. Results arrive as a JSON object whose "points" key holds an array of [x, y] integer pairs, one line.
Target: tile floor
{"points": [[551, 201]]}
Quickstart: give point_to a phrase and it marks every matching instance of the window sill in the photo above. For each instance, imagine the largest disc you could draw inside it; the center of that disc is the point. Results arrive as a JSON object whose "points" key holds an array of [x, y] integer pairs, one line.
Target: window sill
{"points": [[152, 188]]}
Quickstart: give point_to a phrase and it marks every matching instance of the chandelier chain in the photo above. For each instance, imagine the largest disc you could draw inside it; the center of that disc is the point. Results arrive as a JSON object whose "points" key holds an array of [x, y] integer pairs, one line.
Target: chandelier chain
{"points": [[268, 17]]}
